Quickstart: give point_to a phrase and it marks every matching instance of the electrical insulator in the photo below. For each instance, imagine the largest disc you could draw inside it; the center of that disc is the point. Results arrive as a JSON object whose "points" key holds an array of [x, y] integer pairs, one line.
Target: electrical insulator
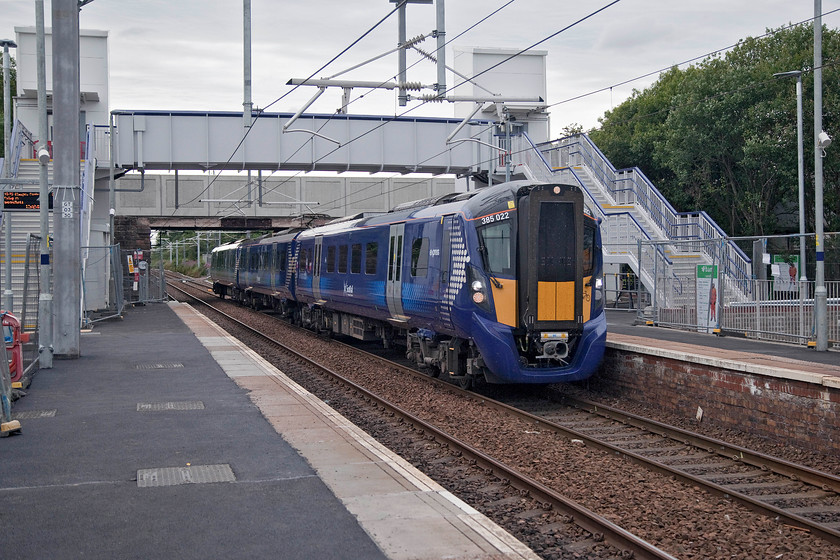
{"points": [[411, 86]]}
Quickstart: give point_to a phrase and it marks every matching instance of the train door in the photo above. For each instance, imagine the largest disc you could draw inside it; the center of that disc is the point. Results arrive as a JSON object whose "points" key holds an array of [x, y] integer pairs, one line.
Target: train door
{"points": [[446, 298], [551, 233], [393, 282], [236, 267], [316, 268]]}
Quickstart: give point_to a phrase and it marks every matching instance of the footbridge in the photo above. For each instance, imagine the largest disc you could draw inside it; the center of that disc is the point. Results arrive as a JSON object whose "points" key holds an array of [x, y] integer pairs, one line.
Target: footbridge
{"points": [[199, 146]]}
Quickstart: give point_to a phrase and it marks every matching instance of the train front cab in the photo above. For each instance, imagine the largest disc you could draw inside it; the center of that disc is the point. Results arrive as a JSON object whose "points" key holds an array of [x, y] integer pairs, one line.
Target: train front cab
{"points": [[549, 324]]}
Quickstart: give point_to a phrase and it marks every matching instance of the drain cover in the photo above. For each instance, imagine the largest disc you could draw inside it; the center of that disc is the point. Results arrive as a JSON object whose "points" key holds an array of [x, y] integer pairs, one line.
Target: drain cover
{"points": [[32, 414], [162, 406], [195, 474], [160, 365]]}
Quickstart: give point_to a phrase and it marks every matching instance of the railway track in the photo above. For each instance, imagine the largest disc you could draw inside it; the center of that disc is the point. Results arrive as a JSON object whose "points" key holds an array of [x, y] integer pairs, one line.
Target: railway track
{"points": [[630, 545], [799, 496]]}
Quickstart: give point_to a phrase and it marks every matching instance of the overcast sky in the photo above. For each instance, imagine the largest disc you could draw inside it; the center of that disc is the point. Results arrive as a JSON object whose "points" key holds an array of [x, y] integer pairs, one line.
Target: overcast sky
{"points": [[187, 54]]}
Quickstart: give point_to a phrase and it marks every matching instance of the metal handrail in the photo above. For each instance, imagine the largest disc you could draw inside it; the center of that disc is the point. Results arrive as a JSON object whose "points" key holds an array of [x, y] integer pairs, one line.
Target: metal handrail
{"points": [[539, 168], [641, 192]]}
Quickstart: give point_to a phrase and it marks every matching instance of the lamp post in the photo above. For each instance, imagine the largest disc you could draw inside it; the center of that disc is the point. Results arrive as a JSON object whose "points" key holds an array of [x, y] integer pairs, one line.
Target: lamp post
{"points": [[821, 141], [7, 117], [803, 276]]}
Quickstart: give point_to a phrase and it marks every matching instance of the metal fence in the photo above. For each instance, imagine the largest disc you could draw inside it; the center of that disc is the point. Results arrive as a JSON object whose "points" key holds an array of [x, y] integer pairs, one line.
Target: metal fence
{"points": [[785, 315], [26, 289], [623, 291], [143, 279], [114, 278], [696, 293]]}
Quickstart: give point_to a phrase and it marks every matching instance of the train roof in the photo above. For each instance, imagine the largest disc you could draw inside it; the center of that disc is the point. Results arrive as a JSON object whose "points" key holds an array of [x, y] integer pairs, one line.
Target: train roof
{"points": [[471, 204]]}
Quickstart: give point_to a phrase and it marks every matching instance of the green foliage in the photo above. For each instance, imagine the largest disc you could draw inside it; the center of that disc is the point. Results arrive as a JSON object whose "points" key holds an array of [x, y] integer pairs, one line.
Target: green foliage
{"points": [[13, 90], [189, 268], [720, 136]]}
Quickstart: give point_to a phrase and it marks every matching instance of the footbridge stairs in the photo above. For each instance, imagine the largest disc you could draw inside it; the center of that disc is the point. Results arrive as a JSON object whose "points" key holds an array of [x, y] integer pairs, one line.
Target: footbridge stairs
{"points": [[640, 227]]}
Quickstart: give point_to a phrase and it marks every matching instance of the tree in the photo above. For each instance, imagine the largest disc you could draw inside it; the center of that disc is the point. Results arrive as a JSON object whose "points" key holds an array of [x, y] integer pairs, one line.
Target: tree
{"points": [[720, 136], [13, 90]]}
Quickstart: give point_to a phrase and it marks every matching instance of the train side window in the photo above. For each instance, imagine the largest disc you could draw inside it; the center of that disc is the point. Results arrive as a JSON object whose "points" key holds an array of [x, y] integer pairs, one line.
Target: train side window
{"points": [[588, 250], [342, 259], [356, 258], [330, 259], [305, 262], [420, 256], [281, 257], [370, 258], [391, 261], [398, 264]]}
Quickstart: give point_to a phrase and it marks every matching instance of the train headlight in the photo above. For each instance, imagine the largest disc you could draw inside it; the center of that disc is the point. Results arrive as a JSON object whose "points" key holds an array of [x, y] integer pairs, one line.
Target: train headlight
{"points": [[599, 285], [479, 294]]}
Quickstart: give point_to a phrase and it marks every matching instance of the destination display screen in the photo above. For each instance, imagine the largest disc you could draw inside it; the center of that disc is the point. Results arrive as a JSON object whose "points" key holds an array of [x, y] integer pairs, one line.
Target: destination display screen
{"points": [[23, 200]]}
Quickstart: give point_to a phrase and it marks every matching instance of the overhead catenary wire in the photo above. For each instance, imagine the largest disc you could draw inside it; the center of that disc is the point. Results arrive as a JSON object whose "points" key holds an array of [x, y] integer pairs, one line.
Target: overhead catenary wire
{"points": [[333, 59], [469, 80], [482, 20], [717, 51]]}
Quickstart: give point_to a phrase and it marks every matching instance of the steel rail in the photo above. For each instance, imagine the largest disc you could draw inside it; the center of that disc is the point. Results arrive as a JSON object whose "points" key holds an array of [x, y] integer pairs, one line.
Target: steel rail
{"points": [[581, 516]]}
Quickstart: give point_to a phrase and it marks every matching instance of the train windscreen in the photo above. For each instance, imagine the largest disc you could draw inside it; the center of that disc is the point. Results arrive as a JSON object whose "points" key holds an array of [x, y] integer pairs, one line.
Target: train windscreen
{"points": [[495, 247]]}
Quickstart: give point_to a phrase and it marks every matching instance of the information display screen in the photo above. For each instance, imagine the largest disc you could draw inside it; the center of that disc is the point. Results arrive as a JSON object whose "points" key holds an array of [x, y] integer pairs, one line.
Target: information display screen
{"points": [[23, 200]]}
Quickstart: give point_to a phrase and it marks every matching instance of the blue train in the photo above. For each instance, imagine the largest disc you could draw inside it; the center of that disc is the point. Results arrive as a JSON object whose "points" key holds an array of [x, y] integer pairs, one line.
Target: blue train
{"points": [[503, 284]]}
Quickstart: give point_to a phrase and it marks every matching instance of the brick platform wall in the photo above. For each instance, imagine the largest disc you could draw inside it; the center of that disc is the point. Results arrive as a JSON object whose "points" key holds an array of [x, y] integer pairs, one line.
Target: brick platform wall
{"points": [[798, 413], [132, 233]]}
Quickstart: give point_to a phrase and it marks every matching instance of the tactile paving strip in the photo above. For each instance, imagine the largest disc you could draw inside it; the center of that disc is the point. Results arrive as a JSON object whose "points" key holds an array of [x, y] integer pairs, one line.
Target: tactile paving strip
{"points": [[194, 474]]}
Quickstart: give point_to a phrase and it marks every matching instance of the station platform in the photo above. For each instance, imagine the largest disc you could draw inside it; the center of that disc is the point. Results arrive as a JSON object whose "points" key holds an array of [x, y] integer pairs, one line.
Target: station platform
{"points": [[169, 439], [778, 360]]}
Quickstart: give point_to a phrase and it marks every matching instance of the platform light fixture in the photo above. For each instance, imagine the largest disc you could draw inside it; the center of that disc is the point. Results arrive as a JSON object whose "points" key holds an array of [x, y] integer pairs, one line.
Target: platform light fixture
{"points": [[803, 277]]}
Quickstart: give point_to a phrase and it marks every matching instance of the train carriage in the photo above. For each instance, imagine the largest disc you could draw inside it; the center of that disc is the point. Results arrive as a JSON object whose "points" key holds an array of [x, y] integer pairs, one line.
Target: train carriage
{"points": [[502, 284]]}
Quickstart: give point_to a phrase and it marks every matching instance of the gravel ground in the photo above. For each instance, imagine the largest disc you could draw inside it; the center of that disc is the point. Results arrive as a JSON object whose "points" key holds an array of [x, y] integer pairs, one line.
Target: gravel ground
{"points": [[676, 517], [789, 451]]}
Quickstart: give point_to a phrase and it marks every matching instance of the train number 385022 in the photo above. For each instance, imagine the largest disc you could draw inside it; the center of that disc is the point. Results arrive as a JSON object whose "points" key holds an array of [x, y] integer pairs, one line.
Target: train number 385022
{"points": [[495, 218]]}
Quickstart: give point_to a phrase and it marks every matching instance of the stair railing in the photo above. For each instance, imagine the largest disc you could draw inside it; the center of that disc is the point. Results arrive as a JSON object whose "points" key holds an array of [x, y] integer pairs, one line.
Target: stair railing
{"points": [[631, 186]]}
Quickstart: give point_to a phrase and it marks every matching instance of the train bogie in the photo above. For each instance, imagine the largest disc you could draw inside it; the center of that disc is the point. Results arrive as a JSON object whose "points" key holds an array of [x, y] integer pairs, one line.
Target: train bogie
{"points": [[503, 284]]}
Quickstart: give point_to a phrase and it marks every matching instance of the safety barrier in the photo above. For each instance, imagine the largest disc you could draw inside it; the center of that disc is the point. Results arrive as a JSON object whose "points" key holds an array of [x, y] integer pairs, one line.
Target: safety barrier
{"points": [[780, 307]]}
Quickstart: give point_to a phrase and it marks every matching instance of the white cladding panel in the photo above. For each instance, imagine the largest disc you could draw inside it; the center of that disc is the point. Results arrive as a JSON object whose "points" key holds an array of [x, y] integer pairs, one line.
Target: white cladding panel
{"points": [[185, 140], [93, 74], [524, 75]]}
